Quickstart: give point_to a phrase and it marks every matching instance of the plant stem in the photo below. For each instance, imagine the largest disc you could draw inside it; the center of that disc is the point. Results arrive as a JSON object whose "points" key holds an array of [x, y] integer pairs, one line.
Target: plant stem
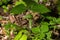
{"points": [[30, 23]]}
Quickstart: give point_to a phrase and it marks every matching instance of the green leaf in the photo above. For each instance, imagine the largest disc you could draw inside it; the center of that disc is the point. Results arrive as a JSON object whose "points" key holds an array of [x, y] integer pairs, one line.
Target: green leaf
{"points": [[10, 25], [5, 8], [24, 37], [42, 35], [50, 18], [58, 7], [20, 2], [18, 9], [1, 18], [36, 30], [18, 36], [29, 16], [5, 1], [49, 35], [39, 8], [32, 5], [45, 0], [44, 27], [58, 20], [29, 2], [52, 23], [36, 1], [7, 26], [0, 2]]}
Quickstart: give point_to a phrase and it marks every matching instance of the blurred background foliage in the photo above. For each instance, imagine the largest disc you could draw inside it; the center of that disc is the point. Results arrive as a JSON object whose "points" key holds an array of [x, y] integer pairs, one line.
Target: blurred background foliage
{"points": [[30, 19]]}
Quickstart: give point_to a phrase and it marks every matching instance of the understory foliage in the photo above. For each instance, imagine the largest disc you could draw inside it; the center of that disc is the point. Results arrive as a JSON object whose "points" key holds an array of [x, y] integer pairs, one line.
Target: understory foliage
{"points": [[36, 29]]}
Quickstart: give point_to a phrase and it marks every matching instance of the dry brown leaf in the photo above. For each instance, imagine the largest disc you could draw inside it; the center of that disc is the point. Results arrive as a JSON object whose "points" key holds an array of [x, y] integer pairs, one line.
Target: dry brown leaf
{"points": [[3, 21], [11, 18]]}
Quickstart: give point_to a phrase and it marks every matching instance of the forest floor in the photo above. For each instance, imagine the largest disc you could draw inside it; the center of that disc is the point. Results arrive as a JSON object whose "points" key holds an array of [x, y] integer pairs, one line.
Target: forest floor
{"points": [[6, 17]]}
